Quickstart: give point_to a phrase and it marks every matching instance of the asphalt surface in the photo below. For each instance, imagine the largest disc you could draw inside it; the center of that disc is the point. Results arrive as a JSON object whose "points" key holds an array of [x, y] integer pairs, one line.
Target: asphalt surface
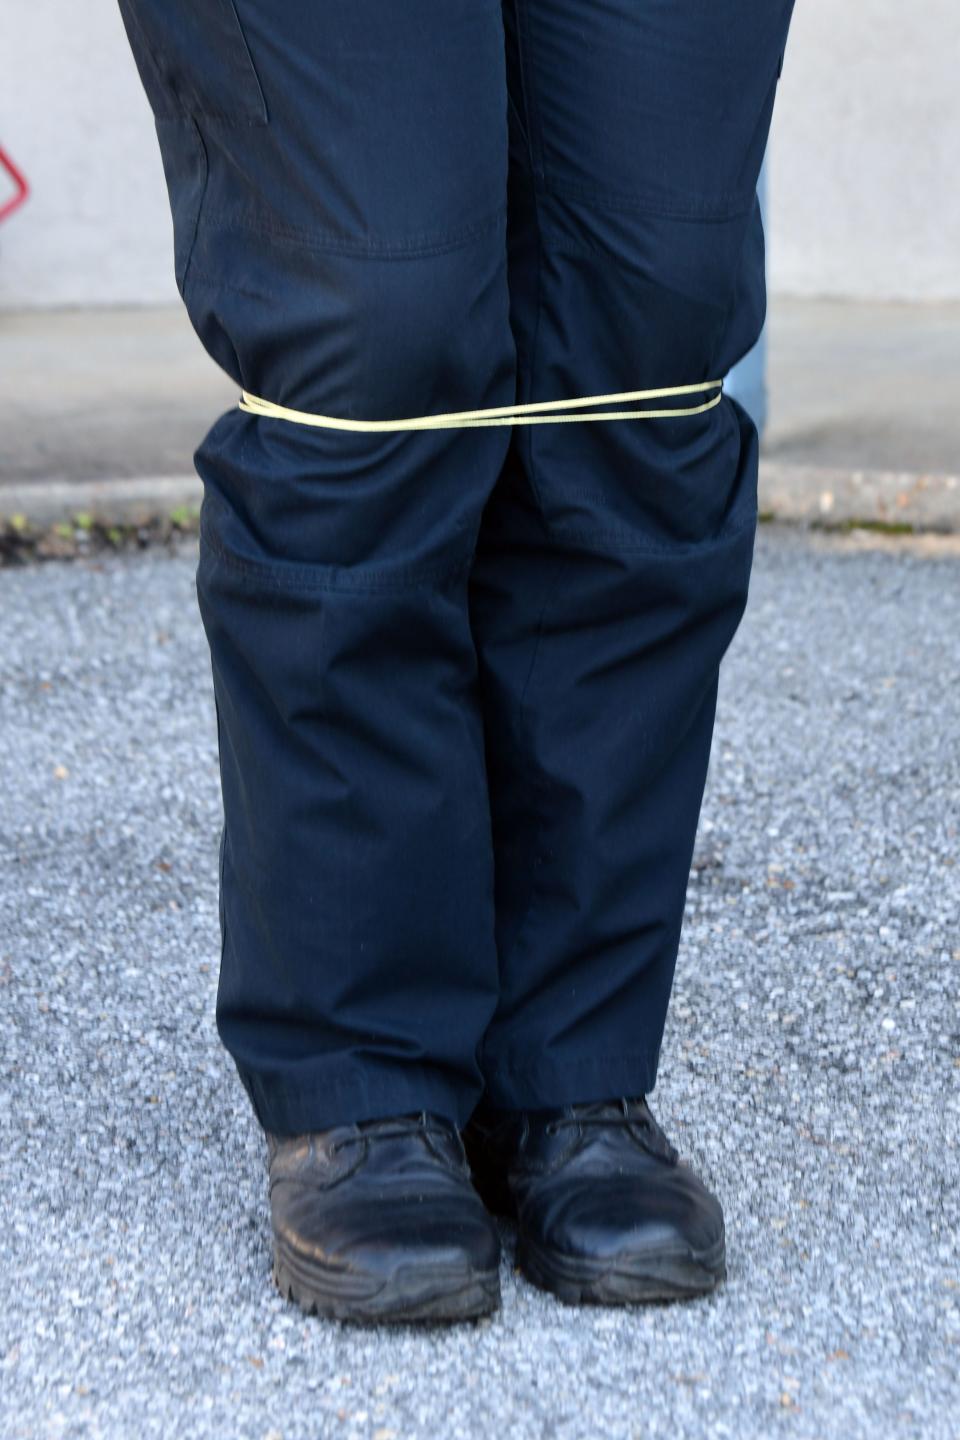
{"points": [[811, 1066]]}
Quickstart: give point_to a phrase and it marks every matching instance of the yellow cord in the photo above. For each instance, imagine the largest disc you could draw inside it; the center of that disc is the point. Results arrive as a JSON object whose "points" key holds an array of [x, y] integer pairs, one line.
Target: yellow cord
{"points": [[496, 415]]}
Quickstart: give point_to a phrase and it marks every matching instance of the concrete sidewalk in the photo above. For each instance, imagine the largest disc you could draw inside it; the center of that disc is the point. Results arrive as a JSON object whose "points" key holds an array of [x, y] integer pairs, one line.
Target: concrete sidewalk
{"points": [[101, 412], [811, 1066]]}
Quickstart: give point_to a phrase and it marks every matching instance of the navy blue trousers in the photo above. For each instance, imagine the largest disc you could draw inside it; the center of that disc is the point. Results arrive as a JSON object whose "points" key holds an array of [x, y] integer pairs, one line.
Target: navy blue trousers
{"points": [[465, 679]]}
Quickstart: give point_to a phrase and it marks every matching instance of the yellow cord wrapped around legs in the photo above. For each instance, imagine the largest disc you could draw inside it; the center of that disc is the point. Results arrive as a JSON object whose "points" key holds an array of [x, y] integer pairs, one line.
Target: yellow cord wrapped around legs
{"points": [[531, 414]]}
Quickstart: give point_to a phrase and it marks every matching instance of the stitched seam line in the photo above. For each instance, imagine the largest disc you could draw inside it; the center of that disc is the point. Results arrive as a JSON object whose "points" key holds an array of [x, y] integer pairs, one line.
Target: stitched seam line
{"points": [[330, 242], [203, 195], [715, 211], [652, 547], [535, 1067], [263, 118], [304, 580]]}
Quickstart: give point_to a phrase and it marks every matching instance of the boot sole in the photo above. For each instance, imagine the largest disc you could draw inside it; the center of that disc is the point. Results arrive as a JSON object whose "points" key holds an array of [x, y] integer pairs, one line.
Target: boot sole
{"points": [[416, 1293], [672, 1275]]}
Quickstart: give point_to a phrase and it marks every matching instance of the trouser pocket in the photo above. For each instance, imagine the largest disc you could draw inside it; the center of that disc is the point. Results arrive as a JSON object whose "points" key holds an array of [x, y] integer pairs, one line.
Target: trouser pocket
{"points": [[193, 59]]}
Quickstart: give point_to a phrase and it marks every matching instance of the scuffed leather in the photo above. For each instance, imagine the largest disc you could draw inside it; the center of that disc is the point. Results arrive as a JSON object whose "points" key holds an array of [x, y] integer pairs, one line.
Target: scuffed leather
{"points": [[371, 1198], [596, 1181]]}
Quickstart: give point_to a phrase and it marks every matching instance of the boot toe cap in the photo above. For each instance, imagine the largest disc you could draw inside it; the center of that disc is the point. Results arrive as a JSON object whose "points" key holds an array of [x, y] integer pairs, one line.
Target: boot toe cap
{"points": [[622, 1216], [379, 1237]]}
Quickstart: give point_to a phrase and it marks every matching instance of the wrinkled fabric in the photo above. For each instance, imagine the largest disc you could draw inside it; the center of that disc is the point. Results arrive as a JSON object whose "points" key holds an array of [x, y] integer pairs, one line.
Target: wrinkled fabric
{"points": [[464, 679]]}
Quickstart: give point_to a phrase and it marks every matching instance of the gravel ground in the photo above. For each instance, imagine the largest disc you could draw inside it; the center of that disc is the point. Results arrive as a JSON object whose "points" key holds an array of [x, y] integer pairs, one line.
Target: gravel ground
{"points": [[811, 1065]]}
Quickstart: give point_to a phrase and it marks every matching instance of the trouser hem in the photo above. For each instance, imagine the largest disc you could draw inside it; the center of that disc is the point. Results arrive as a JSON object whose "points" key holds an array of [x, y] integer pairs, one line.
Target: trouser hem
{"points": [[284, 1108], [544, 1085]]}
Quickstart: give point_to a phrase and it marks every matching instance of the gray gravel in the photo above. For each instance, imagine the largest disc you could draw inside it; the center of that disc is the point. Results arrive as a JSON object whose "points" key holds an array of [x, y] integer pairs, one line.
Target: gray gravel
{"points": [[811, 1065]]}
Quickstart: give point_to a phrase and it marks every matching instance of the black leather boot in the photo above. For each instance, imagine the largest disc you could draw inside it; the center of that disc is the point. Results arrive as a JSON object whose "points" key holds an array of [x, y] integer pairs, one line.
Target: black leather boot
{"points": [[605, 1210], [379, 1222]]}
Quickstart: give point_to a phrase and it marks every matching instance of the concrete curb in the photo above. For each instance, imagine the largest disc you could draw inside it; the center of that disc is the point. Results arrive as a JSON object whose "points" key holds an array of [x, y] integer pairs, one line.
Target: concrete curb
{"points": [[883, 498], [134, 501], [800, 493]]}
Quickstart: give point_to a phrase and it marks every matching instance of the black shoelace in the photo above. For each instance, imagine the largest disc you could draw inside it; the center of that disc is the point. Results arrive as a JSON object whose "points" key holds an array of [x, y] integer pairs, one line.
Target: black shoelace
{"points": [[395, 1128], [633, 1115]]}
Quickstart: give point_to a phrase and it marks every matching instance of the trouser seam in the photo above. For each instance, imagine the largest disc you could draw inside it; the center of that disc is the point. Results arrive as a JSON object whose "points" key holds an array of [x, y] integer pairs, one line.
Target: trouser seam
{"points": [[274, 1098], [332, 244], [293, 579], [527, 1068], [683, 549]]}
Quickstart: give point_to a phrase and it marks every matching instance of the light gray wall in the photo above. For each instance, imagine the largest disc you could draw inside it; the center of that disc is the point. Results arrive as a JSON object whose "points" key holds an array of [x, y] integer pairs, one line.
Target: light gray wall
{"points": [[865, 156], [96, 228]]}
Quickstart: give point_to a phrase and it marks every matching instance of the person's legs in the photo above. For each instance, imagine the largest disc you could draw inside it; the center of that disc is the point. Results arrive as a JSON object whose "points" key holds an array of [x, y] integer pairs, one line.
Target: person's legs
{"points": [[614, 557], [337, 177]]}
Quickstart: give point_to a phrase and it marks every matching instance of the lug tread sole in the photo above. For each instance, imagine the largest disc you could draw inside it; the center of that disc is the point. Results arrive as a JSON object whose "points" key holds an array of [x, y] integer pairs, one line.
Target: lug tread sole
{"points": [[674, 1275], [413, 1294]]}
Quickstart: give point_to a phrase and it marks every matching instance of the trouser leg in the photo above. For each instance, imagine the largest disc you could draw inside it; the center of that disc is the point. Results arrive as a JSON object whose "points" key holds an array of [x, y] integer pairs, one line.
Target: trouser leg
{"points": [[614, 557], [337, 177]]}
